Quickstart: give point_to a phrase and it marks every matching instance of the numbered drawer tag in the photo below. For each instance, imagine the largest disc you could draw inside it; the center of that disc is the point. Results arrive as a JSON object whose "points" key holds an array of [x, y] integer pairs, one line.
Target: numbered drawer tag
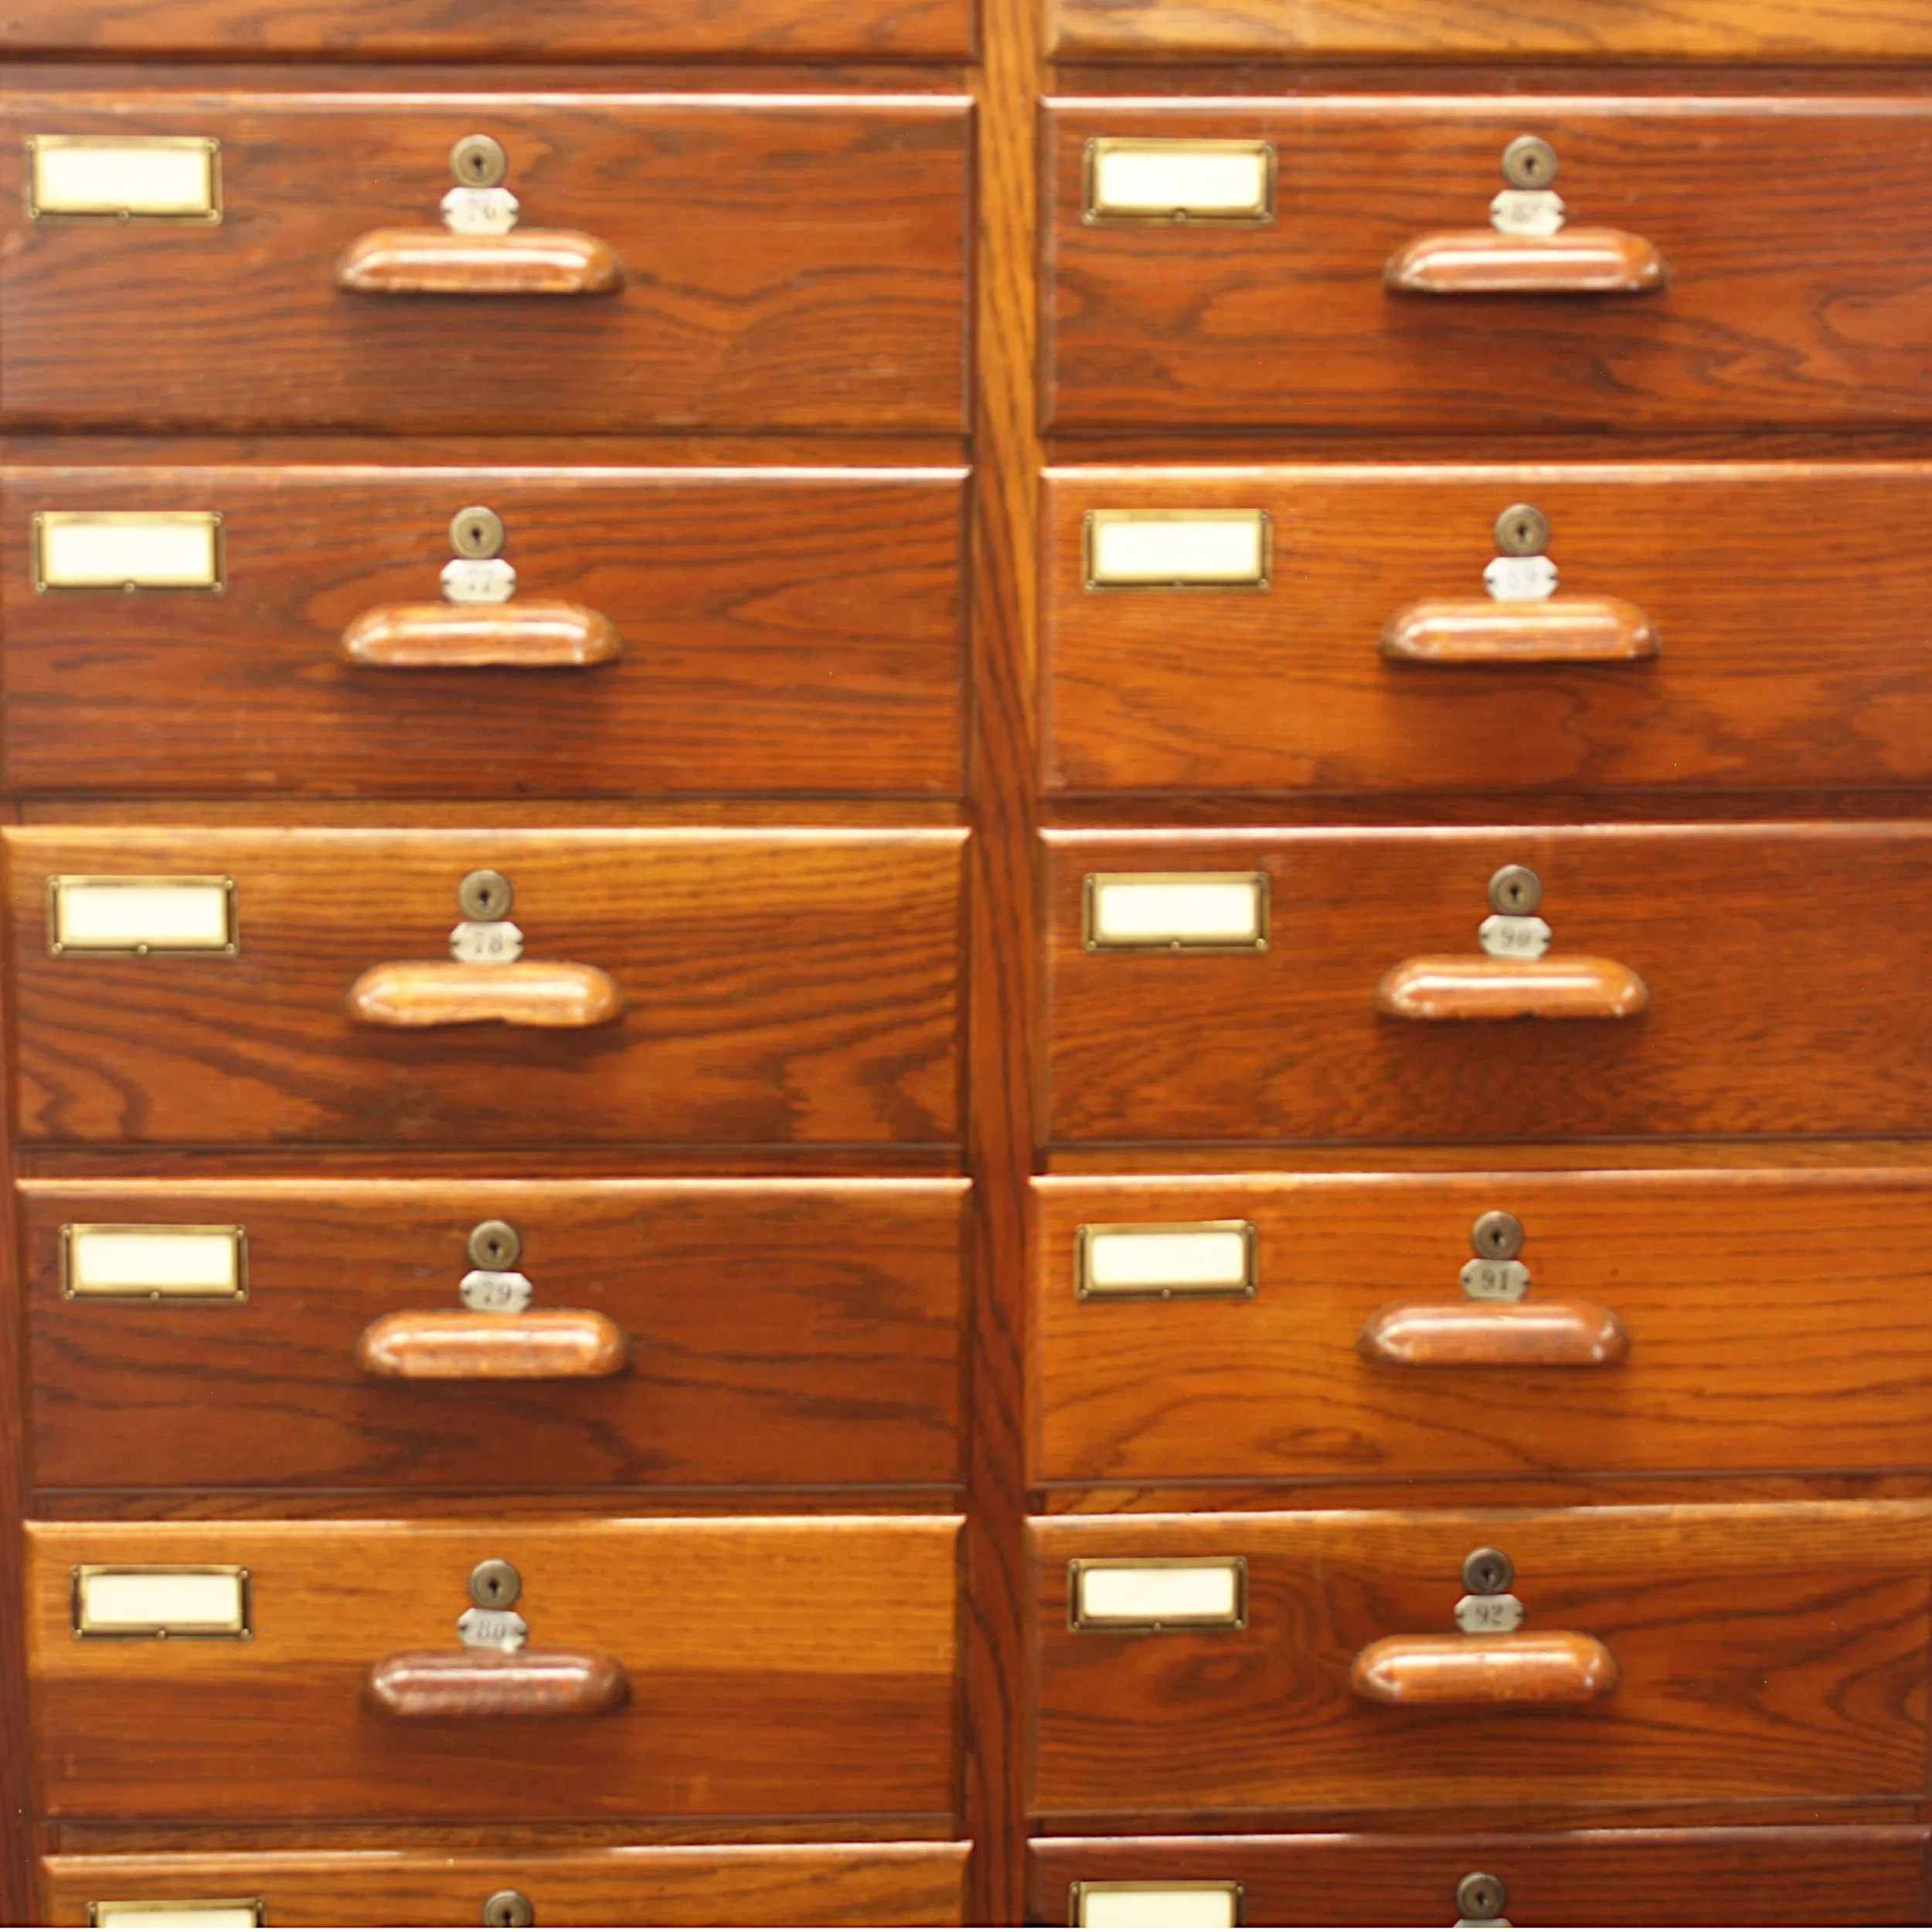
{"points": [[162, 1915], [1159, 1261], [1202, 912], [129, 550], [160, 1601], [140, 916], [1157, 1593], [1136, 1903], [101, 1263], [1180, 181], [124, 178], [1177, 550]]}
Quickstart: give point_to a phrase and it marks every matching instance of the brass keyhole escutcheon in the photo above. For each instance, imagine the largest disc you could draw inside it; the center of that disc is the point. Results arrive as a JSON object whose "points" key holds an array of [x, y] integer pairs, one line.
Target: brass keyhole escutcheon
{"points": [[485, 895], [478, 161], [1486, 1573], [476, 531], [494, 1244], [508, 1908], [1497, 1235], [1529, 161], [1523, 530], [1514, 889], [1481, 1895], [495, 1584]]}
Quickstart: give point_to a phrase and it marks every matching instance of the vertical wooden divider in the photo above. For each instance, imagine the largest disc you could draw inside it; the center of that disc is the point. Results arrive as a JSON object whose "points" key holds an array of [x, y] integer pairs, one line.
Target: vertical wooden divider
{"points": [[1002, 941], [16, 1810]]}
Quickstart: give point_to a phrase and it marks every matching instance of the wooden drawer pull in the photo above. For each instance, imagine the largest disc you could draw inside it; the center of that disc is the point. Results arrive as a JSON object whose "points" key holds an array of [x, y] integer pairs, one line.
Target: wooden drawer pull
{"points": [[1480, 261], [537, 635], [1550, 1667], [460, 1345], [1504, 1335], [1476, 987], [482, 1683], [446, 992], [432, 261], [1481, 631]]}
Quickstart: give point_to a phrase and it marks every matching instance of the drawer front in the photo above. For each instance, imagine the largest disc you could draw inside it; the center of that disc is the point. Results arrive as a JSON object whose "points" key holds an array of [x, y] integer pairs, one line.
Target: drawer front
{"points": [[1755, 1651], [759, 247], [781, 631], [773, 986], [1793, 294], [772, 1667], [766, 1332], [1847, 1875], [498, 29], [1742, 30], [1784, 965], [885, 1884], [1722, 653], [1671, 1322]]}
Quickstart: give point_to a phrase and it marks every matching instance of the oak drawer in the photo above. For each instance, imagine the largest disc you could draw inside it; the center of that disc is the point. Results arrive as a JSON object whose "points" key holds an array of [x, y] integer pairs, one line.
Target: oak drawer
{"points": [[759, 1332], [1770, 979], [742, 1668], [860, 1884], [1846, 1875], [668, 630], [739, 256], [1780, 289], [1671, 1322], [683, 985], [1752, 1651], [1718, 626]]}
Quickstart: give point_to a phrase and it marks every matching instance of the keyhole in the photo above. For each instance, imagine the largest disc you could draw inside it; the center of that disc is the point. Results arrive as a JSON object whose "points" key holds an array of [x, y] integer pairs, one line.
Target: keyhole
{"points": [[495, 1584], [1487, 1572], [1481, 1896], [508, 1908], [494, 1244], [485, 895], [1497, 1235]]}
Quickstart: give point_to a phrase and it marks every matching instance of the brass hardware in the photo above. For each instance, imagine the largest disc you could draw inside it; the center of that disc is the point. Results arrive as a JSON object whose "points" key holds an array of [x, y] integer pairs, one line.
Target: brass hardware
{"points": [[62, 940], [1173, 1897], [508, 1908], [1080, 1616], [91, 1621], [1099, 933], [1099, 205], [1497, 1236], [1523, 530], [478, 161], [1090, 1239], [75, 1286], [485, 895], [201, 205], [1514, 889], [494, 1244], [477, 532], [1097, 523], [1486, 1573], [48, 524], [107, 1914], [1529, 161], [495, 1584], [1482, 1897]]}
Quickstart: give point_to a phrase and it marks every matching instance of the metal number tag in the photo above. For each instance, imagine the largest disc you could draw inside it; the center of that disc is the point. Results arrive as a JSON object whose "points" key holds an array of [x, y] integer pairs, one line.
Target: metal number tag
{"points": [[492, 1629], [486, 942], [1520, 580], [1528, 211], [478, 579], [1510, 936], [479, 211], [496, 1290], [1495, 1280], [1489, 1616]]}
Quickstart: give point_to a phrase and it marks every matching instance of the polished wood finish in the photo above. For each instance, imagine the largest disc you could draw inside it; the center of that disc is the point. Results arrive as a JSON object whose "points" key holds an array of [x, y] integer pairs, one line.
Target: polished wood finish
{"points": [[540, 634], [1289, 323], [1764, 1650], [1479, 261], [540, 1345], [780, 1666], [1474, 987], [1508, 1335], [449, 992], [1807, 1875], [724, 1885], [1531, 1667], [757, 240], [777, 987], [1759, 1340], [784, 1332], [800, 623], [1785, 966], [432, 261], [463, 1685], [1479, 630]]}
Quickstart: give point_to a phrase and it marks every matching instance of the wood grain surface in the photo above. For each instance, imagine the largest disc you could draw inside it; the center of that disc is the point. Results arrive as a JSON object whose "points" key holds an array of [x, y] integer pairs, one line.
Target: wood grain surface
{"points": [[778, 1666], [791, 263], [785, 628], [1798, 1875], [782, 1331], [1765, 1650], [780, 987], [1799, 296], [1790, 601], [1785, 965], [723, 1885]]}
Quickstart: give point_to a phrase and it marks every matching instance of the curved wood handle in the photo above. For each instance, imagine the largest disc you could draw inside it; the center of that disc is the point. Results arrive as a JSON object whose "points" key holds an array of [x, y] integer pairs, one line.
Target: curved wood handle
{"points": [[1476, 987], [535, 635], [460, 1345], [1480, 261], [447, 992], [1481, 631], [1546, 1667], [485, 1683], [433, 261], [1502, 1334]]}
